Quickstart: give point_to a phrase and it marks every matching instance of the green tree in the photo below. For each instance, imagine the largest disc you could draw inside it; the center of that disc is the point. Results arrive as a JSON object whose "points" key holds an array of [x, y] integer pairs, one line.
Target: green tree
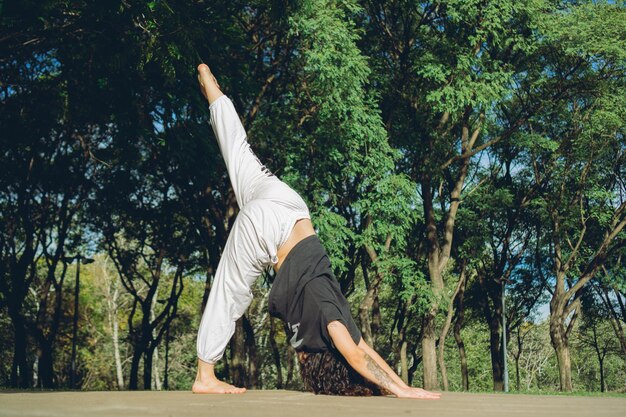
{"points": [[443, 68], [338, 156], [582, 157]]}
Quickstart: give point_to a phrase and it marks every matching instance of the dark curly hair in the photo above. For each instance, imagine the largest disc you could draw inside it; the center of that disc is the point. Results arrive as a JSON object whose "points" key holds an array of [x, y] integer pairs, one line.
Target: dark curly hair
{"points": [[328, 373]]}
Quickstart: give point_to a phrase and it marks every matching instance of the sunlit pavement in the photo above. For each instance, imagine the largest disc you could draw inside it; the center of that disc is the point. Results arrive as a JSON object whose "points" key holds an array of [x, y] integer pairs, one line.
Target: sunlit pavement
{"points": [[299, 404]]}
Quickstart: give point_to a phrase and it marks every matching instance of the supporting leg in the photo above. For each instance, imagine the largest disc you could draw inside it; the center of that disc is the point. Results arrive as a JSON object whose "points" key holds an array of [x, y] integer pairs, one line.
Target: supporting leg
{"points": [[207, 383], [237, 269], [228, 300]]}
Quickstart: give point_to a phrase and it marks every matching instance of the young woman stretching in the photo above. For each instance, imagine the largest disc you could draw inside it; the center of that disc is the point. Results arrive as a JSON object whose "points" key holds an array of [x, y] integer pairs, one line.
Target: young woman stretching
{"points": [[273, 228]]}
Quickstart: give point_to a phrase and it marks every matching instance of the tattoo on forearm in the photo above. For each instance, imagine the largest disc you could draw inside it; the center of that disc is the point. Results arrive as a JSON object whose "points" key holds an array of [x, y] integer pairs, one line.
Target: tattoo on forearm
{"points": [[382, 378]]}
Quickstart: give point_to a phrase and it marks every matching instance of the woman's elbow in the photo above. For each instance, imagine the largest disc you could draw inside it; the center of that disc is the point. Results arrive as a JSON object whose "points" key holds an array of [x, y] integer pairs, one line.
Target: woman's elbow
{"points": [[355, 357]]}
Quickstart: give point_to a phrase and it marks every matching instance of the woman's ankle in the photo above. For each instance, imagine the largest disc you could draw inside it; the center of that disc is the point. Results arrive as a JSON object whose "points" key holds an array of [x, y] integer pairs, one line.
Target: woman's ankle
{"points": [[206, 372]]}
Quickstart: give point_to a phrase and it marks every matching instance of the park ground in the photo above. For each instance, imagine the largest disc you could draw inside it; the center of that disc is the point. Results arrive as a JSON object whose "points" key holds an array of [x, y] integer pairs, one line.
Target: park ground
{"points": [[291, 403]]}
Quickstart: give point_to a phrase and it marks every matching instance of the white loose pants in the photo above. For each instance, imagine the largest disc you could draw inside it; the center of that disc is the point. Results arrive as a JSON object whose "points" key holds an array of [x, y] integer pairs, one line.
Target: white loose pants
{"points": [[269, 209]]}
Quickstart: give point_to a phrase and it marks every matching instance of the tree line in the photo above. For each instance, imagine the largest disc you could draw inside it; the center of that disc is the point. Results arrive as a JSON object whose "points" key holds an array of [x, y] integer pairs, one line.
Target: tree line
{"points": [[462, 161]]}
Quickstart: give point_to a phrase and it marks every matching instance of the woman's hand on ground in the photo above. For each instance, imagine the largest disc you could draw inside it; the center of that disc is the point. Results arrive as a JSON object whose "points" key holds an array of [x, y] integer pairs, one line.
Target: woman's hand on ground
{"points": [[417, 393]]}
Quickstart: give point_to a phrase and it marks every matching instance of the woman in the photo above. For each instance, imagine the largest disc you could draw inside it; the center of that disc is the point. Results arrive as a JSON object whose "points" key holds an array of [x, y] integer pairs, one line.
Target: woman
{"points": [[273, 228]]}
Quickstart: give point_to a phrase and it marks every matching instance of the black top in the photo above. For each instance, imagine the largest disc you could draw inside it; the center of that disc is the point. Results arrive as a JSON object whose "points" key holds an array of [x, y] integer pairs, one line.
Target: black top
{"points": [[307, 296]]}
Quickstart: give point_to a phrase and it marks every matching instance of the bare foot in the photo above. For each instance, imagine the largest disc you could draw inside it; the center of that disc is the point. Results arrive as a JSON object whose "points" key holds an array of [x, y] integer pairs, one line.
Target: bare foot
{"points": [[209, 86], [215, 387]]}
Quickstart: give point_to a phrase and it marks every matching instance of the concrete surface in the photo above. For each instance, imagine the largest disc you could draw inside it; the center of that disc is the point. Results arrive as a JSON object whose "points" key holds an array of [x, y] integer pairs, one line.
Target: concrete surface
{"points": [[290, 403]]}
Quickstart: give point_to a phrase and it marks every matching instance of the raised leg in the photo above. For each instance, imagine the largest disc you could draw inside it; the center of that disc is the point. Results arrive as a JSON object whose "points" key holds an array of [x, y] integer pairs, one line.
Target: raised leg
{"points": [[245, 170]]}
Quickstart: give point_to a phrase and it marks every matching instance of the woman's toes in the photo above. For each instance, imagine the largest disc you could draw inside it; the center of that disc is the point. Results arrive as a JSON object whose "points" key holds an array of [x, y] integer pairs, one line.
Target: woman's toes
{"points": [[204, 75], [203, 68]]}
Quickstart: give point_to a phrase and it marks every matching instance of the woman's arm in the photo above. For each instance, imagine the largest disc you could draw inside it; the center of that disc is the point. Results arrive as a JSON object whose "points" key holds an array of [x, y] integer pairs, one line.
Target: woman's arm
{"points": [[381, 362], [369, 367]]}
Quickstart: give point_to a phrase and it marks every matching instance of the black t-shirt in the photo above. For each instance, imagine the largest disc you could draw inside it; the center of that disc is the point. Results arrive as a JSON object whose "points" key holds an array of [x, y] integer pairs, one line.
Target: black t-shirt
{"points": [[307, 296]]}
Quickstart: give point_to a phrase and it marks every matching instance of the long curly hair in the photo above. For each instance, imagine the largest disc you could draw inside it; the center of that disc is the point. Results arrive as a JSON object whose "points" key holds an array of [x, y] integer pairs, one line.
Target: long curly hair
{"points": [[328, 373]]}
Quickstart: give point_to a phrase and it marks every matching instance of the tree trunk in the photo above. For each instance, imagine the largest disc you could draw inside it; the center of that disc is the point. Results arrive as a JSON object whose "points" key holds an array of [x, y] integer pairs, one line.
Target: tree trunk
{"points": [[402, 319], [517, 356], [226, 366], [619, 329], [560, 345], [290, 366], [559, 311], [133, 383], [35, 372], [600, 354], [446, 328], [46, 363], [376, 318], [370, 302], [166, 383], [238, 356], [602, 385], [44, 341], [145, 346], [442, 343], [116, 349], [565, 366], [404, 345], [429, 353], [517, 379], [491, 300], [364, 315], [496, 354], [462, 357], [458, 324], [253, 372], [565, 301], [276, 355], [156, 377], [147, 368], [156, 382], [21, 372], [416, 362], [614, 318], [404, 363], [439, 253], [112, 293], [429, 336]]}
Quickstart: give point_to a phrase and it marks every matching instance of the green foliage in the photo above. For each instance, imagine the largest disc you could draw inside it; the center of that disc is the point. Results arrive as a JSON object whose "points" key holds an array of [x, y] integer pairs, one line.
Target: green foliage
{"points": [[393, 203], [336, 235], [589, 30], [347, 125], [471, 67]]}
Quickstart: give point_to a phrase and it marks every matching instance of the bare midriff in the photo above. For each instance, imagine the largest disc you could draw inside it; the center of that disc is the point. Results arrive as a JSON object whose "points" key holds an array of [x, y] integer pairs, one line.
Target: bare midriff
{"points": [[302, 229]]}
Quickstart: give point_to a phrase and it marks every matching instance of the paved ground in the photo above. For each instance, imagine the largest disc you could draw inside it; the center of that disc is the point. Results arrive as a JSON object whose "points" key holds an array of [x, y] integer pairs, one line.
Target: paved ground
{"points": [[298, 404]]}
